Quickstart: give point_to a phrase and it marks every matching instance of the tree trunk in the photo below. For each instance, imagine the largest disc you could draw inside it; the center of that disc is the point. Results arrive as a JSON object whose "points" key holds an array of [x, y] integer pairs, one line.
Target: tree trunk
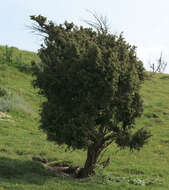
{"points": [[92, 157]]}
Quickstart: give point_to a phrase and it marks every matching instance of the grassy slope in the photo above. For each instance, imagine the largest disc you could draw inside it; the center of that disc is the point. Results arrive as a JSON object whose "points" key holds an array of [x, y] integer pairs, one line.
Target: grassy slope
{"points": [[20, 139], [24, 56]]}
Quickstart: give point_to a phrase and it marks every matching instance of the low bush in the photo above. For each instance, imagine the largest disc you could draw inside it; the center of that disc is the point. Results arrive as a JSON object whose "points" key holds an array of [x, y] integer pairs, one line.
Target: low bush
{"points": [[5, 100], [5, 104], [11, 101], [3, 92], [24, 68]]}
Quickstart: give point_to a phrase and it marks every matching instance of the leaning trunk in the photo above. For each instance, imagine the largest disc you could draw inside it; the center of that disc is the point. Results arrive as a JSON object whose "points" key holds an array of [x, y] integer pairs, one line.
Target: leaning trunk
{"points": [[92, 157]]}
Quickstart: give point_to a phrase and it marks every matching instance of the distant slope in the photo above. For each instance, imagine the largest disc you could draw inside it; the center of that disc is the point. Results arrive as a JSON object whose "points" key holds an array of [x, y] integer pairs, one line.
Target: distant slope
{"points": [[23, 56]]}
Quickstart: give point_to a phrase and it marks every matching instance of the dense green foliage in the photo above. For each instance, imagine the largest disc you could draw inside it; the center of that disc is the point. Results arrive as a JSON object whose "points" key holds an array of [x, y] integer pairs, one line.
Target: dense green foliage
{"points": [[91, 82]]}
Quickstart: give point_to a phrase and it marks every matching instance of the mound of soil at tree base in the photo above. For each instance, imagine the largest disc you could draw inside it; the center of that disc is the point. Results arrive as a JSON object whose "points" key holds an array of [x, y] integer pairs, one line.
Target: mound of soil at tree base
{"points": [[63, 169]]}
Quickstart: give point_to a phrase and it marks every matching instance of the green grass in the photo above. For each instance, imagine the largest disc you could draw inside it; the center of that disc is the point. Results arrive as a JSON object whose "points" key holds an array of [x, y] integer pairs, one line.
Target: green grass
{"points": [[20, 59], [24, 56], [20, 140]]}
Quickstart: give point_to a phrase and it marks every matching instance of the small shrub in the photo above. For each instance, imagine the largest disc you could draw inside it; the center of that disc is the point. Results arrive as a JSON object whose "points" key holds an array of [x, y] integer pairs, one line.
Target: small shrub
{"points": [[5, 104], [8, 54], [5, 100], [19, 59], [10, 101], [24, 68], [165, 77], [3, 92], [19, 104], [158, 67]]}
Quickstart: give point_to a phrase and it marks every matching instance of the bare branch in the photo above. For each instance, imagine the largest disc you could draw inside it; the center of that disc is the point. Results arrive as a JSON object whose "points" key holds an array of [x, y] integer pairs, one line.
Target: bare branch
{"points": [[159, 66], [100, 22]]}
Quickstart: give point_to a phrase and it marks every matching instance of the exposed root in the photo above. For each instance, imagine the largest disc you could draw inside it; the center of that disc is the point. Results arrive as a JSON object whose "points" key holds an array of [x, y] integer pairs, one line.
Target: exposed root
{"points": [[63, 169]]}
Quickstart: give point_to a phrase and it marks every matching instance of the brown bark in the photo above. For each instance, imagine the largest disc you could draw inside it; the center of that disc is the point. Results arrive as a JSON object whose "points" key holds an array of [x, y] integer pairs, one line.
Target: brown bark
{"points": [[92, 157], [93, 153]]}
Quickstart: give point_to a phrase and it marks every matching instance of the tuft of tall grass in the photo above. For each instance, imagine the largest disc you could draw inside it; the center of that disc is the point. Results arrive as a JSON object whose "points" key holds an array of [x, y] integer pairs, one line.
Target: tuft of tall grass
{"points": [[5, 104], [5, 100], [10, 101]]}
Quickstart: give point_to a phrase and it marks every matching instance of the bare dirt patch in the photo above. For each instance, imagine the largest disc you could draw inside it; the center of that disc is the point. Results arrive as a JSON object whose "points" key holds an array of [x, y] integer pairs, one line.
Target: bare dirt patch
{"points": [[63, 169]]}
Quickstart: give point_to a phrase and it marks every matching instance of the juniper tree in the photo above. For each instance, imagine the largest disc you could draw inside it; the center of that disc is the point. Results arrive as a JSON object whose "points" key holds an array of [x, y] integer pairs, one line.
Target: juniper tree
{"points": [[91, 82]]}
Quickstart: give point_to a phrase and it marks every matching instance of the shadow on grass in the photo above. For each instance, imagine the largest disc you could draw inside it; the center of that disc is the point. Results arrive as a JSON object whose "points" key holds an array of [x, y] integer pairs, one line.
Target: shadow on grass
{"points": [[23, 171]]}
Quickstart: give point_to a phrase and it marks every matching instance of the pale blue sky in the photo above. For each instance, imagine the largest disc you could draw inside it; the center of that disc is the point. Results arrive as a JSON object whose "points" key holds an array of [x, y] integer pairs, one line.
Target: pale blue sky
{"points": [[145, 23]]}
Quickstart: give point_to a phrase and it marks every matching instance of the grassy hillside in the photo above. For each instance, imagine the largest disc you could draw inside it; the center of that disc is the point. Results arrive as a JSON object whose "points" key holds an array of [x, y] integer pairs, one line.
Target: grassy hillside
{"points": [[17, 55], [20, 140]]}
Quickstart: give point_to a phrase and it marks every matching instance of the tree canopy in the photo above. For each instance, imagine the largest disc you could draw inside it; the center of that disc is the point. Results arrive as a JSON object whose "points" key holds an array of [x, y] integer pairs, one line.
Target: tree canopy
{"points": [[91, 81]]}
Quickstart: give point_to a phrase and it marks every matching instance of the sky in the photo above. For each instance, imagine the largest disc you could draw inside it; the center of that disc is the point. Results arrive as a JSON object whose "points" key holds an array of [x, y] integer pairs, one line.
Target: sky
{"points": [[144, 23]]}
